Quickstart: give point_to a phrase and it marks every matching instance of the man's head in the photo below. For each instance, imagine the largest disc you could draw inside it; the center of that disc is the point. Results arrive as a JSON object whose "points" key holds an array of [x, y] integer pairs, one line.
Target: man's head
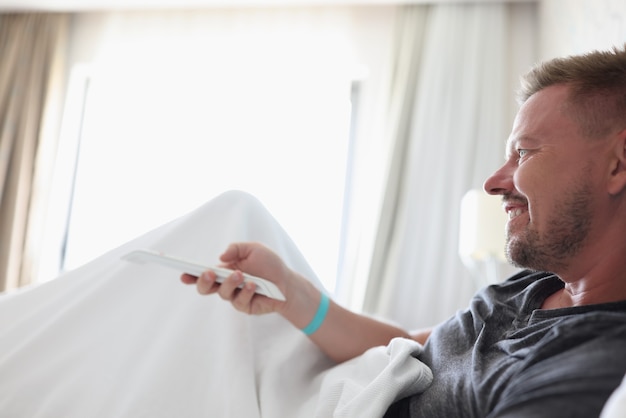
{"points": [[566, 160], [597, 80]]}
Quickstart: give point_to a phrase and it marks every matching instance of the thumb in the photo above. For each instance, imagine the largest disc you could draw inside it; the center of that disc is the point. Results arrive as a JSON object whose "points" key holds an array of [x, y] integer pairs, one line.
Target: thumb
{"points": [[235, 253]]}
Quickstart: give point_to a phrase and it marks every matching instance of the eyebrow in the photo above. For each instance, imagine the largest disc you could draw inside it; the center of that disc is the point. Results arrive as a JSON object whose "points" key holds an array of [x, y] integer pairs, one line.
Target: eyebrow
{"points": [[512, 145]]}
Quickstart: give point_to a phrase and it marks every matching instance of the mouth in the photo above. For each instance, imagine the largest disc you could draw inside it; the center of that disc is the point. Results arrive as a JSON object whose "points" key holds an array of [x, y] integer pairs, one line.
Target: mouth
{"points": [[515, 212], [515, 208]]}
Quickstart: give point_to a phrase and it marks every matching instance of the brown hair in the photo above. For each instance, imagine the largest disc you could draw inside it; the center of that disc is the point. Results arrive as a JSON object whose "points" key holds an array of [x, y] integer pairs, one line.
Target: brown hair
{"points": [[597, 81]]}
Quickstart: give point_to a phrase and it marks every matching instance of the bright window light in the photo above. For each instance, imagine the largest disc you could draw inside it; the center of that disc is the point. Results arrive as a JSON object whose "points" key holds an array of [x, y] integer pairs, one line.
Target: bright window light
{"points": [[265, 113]]}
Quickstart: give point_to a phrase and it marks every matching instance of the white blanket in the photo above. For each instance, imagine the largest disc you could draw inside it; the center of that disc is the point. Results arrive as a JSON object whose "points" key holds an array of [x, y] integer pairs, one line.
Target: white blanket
{"points": [[115, 339], [616, 405]]}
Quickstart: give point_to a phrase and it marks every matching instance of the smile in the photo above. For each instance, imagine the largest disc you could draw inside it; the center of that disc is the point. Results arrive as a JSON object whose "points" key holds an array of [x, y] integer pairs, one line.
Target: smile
{"points": [[514, 213]]}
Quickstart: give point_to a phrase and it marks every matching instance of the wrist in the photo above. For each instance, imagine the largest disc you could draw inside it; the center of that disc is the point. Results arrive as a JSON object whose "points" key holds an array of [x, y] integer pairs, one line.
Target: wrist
{"points": [[320, 315], [303, 302]]}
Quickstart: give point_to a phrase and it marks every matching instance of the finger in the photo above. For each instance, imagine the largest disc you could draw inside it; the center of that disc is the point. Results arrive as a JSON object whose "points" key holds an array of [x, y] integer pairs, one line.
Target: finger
{"points": [[233, 253], [230, 285], [242, 301], [206, 283], [188, 278]]}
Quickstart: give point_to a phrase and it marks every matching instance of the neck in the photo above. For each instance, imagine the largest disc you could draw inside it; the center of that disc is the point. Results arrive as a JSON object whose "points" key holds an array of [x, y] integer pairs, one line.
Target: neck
{"points": [[603, 282]]}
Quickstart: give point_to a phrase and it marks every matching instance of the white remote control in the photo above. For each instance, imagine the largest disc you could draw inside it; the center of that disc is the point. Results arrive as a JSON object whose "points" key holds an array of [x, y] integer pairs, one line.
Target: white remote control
{"points": [[263, 287]]}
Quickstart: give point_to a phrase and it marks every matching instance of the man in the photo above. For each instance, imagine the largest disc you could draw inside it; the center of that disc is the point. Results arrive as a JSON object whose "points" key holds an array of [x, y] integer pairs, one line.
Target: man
{"points": [[550, 341]]}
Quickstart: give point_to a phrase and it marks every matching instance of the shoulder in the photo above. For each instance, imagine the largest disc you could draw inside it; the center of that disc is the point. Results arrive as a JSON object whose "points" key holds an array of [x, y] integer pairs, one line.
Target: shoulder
{"points": [[572, 371], [568, 361]]}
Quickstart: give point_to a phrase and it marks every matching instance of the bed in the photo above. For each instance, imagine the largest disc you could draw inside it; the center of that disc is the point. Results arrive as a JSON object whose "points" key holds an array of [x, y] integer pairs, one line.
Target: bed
{"points": [[118, 339]]}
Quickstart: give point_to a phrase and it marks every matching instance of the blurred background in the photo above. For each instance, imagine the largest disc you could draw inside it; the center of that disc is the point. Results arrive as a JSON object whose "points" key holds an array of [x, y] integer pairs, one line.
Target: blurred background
{"points": [[359, 124]]}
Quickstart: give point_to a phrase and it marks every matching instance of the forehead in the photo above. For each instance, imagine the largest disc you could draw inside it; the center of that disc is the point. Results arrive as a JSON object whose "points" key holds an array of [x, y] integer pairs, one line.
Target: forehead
{"points": [[542, 118]]}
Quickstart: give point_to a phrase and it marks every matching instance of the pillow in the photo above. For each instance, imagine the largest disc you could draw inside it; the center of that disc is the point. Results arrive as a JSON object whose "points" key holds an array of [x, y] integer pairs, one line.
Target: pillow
{"points": [[616, 405]]}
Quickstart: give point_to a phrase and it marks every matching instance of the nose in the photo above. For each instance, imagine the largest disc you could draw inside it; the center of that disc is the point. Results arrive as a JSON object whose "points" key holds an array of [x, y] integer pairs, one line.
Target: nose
{"points": [[500, 182]]}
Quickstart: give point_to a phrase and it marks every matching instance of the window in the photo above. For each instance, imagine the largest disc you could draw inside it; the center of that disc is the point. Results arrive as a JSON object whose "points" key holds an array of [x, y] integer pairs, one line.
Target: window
{"points": [[173, 109], [151, 157]]}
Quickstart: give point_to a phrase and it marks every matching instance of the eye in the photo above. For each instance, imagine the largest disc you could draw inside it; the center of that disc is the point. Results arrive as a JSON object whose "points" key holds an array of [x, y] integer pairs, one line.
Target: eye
{"points": [[521, 153]]}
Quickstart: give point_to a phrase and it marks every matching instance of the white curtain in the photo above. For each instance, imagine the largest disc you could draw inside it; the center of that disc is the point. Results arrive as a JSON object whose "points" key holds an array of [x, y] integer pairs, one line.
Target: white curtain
{"points": [[456, 63]]}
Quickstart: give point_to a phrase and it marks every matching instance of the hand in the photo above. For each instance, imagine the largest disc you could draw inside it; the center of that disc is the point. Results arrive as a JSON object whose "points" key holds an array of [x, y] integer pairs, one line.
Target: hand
{"points": [[254, 259], [343, 335]]}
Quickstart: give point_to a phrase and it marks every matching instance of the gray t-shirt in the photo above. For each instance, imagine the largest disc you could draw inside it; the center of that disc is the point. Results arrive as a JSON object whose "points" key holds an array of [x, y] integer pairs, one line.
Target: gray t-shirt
{"points": [[506, 357]]}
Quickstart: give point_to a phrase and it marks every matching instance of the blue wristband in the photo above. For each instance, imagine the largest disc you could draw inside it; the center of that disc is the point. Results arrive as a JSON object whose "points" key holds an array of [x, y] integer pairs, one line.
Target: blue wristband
{"points": [[319, 317]]}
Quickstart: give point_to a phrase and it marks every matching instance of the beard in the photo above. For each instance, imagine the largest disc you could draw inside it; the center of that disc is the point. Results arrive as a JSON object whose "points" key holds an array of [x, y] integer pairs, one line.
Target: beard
{"points": [[551, 250]]}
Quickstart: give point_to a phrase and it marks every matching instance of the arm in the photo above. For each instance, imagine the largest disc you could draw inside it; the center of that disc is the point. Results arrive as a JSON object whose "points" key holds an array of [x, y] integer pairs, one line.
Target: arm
{"points": [[343, 334], [421, 335]]}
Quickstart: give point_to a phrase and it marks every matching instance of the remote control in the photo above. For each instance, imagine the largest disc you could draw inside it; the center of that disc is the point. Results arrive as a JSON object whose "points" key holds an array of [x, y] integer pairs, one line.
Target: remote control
{"points": [[263, 287]]}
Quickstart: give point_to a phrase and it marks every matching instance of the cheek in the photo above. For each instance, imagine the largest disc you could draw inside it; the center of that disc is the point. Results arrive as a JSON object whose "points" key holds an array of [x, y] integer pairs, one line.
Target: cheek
{"points": [[537, 187], [527, 180], [540, 174]]}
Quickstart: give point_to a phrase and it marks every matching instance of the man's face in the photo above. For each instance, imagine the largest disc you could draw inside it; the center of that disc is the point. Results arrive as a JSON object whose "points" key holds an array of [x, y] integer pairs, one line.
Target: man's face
{"points": [[548, 183]]}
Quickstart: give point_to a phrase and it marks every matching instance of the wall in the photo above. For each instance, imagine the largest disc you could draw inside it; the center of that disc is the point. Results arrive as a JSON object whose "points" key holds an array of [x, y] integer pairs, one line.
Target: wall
{"points": [[574, 26]]}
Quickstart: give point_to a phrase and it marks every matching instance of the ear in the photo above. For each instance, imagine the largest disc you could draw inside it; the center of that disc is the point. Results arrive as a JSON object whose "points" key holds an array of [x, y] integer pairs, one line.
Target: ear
{"points": [[617, 175]]}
